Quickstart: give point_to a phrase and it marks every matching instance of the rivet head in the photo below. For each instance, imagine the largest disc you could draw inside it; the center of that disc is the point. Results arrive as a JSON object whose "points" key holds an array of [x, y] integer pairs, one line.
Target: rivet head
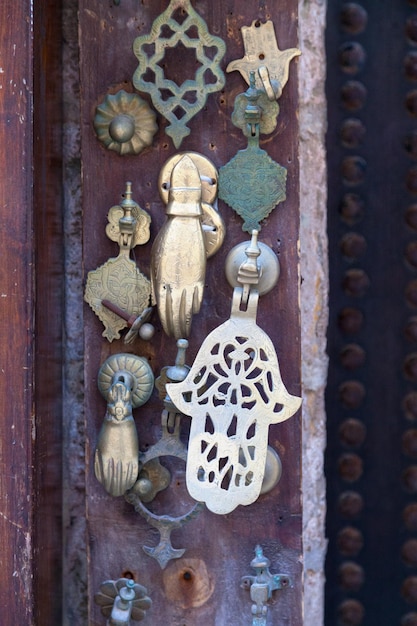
{"points": [[409, 406], [352, 432], [349, 541], [410, 517], [350, 504], [409, 479], [410, 143], [351, 576], [351, 613], [355, 282], [409, 589], [352, 356], [353, 95], [353, 170], [411, 180], [410, 367], [411, 293], [409, 552], [409, 443], [409, 620], [353, 246], [351, 208], [350, 467], [410, 65], [352, 57], [350, 320], [352, 133], [353, 18], [411, 215], [411, 28], [411, 102], [411, 254], [351, 394]]}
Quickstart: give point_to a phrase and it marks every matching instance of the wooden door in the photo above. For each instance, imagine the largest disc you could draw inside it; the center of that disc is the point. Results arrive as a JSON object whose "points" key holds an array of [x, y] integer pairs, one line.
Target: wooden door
{"points": [[371, 393], [202, 587]]}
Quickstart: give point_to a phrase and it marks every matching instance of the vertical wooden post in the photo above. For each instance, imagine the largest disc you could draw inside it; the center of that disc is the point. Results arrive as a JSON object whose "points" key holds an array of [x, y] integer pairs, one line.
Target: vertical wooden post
{"points": [[29, 404]]}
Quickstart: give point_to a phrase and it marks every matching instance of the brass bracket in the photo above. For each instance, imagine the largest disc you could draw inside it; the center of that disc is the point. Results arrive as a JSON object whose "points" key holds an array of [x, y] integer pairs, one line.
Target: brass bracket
{"points": [[120, 280], [252, 183], [262, 585], [150, 50]]}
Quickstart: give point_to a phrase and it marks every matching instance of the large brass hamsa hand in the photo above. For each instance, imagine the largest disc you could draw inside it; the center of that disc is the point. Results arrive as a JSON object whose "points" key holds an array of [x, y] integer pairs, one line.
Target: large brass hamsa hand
{"points": [[233, 392]]}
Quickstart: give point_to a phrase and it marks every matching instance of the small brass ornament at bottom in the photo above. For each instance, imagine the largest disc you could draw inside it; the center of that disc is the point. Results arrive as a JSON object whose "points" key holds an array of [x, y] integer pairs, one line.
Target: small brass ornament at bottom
{"points": [[122, 600]]}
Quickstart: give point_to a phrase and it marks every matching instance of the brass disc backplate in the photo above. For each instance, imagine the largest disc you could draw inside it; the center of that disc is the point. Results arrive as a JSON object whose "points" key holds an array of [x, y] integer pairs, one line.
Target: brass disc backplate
{"points": [[137, 366], [267, 262]]}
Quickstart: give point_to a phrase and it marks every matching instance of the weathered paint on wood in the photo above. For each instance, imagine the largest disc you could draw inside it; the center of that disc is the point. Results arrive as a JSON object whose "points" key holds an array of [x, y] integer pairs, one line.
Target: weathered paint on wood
{"points": [[219, 548], [30, 455]]}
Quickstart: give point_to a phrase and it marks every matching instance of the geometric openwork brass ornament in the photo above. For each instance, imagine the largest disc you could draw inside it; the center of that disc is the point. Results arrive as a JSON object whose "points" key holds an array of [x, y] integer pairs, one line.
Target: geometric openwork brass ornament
{"points": [[125, 123], [119, 280], [178, 24], [252, 183], [233, 392]]}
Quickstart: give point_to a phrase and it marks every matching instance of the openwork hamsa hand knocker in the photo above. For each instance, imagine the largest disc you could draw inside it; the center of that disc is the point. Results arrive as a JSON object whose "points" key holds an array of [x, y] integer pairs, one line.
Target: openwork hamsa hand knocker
{"points": [[233, 392], [180, 23]]}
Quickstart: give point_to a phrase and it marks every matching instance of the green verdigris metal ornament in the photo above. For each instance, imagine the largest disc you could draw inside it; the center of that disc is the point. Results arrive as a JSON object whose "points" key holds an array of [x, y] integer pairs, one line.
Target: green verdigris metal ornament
{"points": [[252, 183], [178, 103]]}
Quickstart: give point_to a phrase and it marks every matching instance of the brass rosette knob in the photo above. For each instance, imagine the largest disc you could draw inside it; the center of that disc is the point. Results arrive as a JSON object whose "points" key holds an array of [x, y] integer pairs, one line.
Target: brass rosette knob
{"points": [[125, 123]]}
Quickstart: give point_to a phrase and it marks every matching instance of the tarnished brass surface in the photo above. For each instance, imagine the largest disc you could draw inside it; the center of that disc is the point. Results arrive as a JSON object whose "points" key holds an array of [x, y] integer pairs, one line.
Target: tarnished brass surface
{"points": [[178, 259], [273, 471], [267, 262], [262, 52], [268, 113], [214, 228], [176, 108], [125, 381], [233, 392], [251, 182], [120, 280], [122, 600], [128, 224], [125, 123], [206, 169], [138, 368]]}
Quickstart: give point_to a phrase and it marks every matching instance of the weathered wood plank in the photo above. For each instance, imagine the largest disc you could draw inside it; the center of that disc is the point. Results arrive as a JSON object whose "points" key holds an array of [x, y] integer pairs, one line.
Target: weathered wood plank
{"points": [[219, 548]]}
